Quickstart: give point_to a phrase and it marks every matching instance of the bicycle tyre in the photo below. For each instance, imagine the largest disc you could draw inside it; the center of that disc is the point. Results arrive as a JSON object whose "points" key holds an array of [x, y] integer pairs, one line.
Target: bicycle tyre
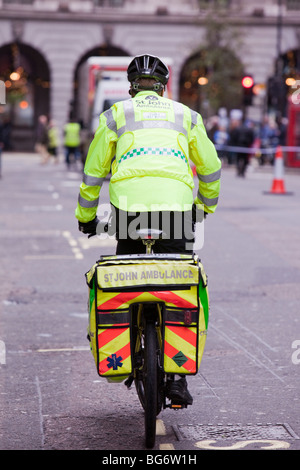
{"points": [[150, 384]]}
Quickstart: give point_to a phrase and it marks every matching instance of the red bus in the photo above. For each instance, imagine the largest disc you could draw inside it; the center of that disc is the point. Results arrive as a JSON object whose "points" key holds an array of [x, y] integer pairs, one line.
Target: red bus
{"points": [[293, 133]]}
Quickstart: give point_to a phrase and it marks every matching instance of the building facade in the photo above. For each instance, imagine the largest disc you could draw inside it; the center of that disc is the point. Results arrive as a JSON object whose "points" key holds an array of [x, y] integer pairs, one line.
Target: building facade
{"points": [[49, 39]]}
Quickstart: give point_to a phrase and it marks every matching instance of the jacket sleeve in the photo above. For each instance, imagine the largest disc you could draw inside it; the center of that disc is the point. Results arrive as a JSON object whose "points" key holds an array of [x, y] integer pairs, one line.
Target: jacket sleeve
{"points": [[208, 165], [97, 167]]}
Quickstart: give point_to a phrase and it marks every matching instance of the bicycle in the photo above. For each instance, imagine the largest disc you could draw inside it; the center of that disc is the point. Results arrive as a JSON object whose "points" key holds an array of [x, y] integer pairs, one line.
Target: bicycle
{"points": [[147, 317]]}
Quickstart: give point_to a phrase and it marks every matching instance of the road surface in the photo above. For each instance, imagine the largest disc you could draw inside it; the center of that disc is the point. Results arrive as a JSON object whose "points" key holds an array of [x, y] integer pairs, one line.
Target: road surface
{"points": [[246, 395]]}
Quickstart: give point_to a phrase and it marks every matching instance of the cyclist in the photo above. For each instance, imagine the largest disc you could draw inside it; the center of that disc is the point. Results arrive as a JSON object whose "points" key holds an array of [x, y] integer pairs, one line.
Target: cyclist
{"points": [[146, 142]]}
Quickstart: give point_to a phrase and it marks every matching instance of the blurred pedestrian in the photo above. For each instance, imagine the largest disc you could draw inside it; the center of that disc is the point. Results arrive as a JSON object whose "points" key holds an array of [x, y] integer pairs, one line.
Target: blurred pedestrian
{"points": [[53, 140], [212, 126], [242, 137], [6, 133], [282, 123], [220, 139], [72, 141], [268, 139], [41, 145], [1, 145]]}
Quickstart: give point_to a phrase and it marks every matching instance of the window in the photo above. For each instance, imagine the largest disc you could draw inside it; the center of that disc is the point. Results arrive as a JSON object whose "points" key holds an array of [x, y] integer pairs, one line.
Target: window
{"points": [[18, 2], [204, 4], [293, 4], [109, 3]]}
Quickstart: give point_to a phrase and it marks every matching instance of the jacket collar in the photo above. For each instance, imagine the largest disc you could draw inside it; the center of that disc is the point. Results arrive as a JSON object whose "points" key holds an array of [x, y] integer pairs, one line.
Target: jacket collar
{"points": [[147, 92]]}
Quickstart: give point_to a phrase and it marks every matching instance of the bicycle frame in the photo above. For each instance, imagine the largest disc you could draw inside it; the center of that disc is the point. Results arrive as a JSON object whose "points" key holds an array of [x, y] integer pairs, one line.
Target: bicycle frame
{"points": [[147, 324]]}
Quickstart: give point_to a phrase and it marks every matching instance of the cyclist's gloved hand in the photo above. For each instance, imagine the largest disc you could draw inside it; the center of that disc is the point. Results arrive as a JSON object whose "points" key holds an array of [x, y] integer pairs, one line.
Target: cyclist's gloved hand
{"points": [[198, 213], [89, 227]]}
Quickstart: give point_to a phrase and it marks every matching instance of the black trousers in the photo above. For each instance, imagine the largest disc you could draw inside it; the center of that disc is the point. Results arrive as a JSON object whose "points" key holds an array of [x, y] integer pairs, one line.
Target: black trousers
{"points": [[177, 227]]}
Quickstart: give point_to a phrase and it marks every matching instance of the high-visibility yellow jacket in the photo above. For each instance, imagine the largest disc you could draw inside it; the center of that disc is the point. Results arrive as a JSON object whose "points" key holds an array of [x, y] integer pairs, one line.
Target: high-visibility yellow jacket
{"points": [[53, 138], [146, 142], [72, 134]]}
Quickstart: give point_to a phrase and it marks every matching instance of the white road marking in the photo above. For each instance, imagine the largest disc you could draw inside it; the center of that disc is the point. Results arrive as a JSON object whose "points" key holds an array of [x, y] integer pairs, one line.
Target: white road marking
{"points": [[47, 257], [271, 445], [39, 393], [160, 428], [57, 207], [166, 447], [75, 348], [73, 244], [2, 352]]}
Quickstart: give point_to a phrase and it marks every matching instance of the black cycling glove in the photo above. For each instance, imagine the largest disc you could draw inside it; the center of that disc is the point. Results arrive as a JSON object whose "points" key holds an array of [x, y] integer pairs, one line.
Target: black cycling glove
{"points": [[89, 227], [198, 213]]}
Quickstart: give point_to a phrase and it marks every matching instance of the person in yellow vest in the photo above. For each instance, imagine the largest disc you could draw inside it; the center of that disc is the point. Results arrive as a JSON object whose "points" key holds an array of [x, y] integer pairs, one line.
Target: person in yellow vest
{"points": [[147, 142], [53, 140], [72, 141]]}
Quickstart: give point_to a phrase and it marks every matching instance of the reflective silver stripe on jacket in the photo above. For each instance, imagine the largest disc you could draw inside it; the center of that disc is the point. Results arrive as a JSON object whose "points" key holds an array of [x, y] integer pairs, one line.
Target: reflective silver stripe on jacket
{"points": [[87, 204], [92, 180], [194, 118], [133, 125], [211, 177], [207, 201], [110, 120]]}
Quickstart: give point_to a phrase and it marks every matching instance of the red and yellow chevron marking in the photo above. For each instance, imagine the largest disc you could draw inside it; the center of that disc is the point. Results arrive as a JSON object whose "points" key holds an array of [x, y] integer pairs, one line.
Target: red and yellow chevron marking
{"points": [[185, 333], [180, 299], [180, 340], [112, 301], [114, 341]]}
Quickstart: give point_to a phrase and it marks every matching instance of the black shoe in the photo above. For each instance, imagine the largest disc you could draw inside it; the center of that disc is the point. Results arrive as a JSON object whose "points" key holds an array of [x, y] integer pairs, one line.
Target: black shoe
{"points": [[177, 392]]}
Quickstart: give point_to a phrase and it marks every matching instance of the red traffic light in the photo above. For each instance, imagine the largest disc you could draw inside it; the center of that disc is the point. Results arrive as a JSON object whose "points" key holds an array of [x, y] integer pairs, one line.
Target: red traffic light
{"points": [[247, 81]]}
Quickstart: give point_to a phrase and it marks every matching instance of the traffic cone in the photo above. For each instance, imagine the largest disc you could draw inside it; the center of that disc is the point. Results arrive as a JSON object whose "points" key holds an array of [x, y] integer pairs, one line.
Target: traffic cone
{"points": [[278, 186]]}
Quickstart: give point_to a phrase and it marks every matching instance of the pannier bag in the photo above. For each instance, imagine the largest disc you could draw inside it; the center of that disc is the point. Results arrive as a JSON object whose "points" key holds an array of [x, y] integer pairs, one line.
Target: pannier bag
{"points": [[177, 282]]}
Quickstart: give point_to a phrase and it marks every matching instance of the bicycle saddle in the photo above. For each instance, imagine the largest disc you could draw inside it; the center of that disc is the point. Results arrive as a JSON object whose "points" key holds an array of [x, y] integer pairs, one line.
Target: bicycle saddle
{"points": [[149, 234]]}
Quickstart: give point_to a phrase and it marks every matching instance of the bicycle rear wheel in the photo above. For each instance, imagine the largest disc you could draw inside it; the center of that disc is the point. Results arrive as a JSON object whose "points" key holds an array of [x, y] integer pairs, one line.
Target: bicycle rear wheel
{"points": [[150, 384]]}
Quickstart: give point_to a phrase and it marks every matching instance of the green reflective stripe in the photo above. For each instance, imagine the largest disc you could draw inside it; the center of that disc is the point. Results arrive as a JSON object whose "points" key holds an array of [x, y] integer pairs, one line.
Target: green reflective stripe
{"points": [[204, 302], [133, 125], [211, 177], [207, 201], [91, 297], [167, 152], [92, 180], [87, 204]]}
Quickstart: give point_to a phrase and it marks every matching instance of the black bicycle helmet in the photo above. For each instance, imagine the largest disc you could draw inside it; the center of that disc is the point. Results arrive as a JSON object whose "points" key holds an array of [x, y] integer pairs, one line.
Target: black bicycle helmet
{"points": [[148, 66]]}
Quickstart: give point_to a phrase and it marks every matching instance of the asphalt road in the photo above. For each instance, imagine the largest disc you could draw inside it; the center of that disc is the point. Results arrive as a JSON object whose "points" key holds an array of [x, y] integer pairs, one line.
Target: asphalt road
{"points": [[246, 395]]}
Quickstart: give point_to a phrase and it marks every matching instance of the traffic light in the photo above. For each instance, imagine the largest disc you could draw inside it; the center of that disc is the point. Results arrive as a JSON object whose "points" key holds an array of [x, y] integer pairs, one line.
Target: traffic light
{"points": [[247, 84]]}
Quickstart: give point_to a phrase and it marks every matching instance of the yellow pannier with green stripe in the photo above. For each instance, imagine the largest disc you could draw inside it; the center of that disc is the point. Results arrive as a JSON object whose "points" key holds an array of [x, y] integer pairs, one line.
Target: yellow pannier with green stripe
{"points": [[177, 283]]}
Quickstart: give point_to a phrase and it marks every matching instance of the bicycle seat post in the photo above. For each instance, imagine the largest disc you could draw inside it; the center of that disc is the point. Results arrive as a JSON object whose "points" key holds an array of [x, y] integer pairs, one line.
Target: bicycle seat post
{"points": [[148, 237], [149, 243]]}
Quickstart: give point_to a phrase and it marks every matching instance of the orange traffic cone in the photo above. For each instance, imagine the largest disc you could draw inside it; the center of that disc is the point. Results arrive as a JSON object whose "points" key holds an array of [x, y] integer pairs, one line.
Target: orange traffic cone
{"points": [[278, 186]]}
